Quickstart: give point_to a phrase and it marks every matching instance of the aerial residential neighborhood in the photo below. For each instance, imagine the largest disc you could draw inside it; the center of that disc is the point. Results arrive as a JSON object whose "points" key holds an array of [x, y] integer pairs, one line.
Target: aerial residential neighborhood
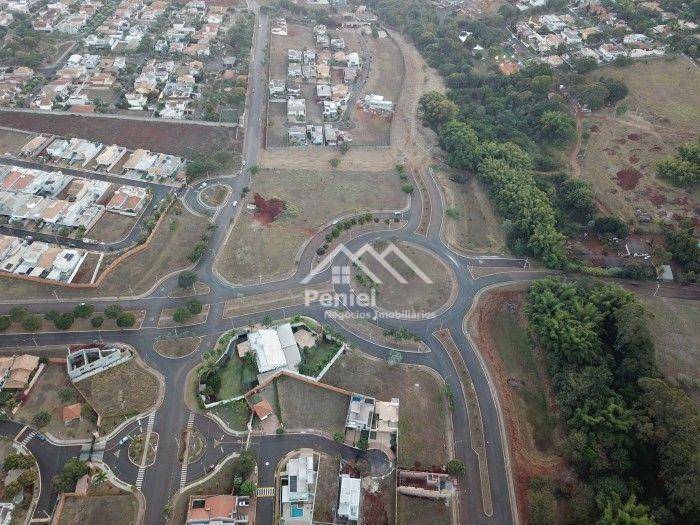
{"points": [[341, 262]]}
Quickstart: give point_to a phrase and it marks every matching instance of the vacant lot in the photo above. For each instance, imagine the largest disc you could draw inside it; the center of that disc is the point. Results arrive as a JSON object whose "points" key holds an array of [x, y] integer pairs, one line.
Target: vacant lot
{"points": [[236, 414], [12, 141], [121, 392], [112, 227], [327, 488], [416, 295], [674, 327], [169, 251], [422, 406], [663, 92], [476, 228], [259, 247], [422, 510], [304, 406], [180, 347], [171, 137], [620, 159], [499, 332], [44, 397], [214, 196], [104, 504]]}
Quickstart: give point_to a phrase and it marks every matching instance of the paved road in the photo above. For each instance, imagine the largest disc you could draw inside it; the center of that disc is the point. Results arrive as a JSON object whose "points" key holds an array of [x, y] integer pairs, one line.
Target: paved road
{"points": [[166, 476]]}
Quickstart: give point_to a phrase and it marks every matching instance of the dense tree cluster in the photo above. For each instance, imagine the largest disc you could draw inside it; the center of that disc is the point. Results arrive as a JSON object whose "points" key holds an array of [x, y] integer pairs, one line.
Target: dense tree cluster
{"points": [[683, 246], [630, 436], [682, 169]]}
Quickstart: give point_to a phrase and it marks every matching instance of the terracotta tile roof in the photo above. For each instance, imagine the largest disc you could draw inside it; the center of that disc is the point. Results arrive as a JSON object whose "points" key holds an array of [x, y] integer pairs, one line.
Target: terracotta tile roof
{"points": [[71, 412]]}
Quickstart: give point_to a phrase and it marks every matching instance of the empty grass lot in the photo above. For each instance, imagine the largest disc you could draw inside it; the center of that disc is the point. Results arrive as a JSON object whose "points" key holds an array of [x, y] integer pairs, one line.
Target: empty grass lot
{"points": [[175, 348], [12, 141], [422, 406], [327, 488], [255, 250], [169, 251], [673, 324], [111, 227], [233, 376], [235, 414], [476, 228], [120, 392], [305, 406], [104, 504], [422, 510], [44, 396]]}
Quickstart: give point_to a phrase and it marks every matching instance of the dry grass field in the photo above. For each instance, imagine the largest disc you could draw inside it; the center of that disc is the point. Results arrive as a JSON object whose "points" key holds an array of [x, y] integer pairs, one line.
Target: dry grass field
{"points": [[111, 227], [104, 504], [265, 248], [11, 141], [477, 228], [303, 406]]}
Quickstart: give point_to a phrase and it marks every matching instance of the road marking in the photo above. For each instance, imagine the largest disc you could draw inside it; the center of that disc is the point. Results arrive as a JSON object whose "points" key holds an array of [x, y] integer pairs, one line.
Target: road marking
{"points": [[28, 438], [265, 492], [185, 464], [142, 469]]}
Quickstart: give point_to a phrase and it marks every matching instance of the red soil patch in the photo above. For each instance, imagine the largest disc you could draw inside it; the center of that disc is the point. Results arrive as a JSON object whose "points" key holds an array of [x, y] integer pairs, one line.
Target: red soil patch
{"points": [[594, 128], [267, 210], [656, 148], [633, 159], [628, 179], [526, 463], [657, 199], [634, 136], [374, 509]]}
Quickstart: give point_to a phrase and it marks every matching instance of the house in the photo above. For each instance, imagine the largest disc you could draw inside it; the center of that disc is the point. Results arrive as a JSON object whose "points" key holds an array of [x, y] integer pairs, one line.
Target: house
{"points": [[275, 348], [294, 55], [337, 44], [323, 91], [276, 88], [331, 110], [609, 51], [16, 371], [34, 146], [349, 498], [128, 200], [140, 160], [298, 484], [315, 133], [353, 60], [296, 109], [349, 75], [66, 265], [72, 413], [296, 136], [164, 166], [554, 60], [6, 509], [136, 101], [110, 156], [360, 412], [374, 102], [82, 363], [217, 510], [59, 150]]}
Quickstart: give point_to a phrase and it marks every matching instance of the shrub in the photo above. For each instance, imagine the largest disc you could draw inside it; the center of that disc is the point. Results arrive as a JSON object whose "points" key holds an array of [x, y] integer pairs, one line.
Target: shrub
{"points": [[248, 488], [181, 315], [41, 419], [407, 188], [17, 461], [5, 322], [31, 323], [194, 306], [97, 321], [83, 311], [186, 279], [126, 320], [63, 321], [113, 311], [455, 467], [18, 313]]}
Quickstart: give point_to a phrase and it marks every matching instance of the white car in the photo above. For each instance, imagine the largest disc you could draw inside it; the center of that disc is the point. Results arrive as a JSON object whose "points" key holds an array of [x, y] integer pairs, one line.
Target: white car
{"points": [[203, 185], [235, 203], [335, 222]]}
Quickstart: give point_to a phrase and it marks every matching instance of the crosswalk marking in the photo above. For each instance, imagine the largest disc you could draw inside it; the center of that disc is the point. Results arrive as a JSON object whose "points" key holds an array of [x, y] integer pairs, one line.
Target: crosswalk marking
{"points": [[142, 470], [183, 467], [28, 438], [265, 492]]}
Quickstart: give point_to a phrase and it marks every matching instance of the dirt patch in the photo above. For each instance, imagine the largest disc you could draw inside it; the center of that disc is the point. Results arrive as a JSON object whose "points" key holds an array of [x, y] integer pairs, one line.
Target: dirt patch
{"points": [[636, 137], [104, 504], [171, 137], [267, 210], [628, 179]]}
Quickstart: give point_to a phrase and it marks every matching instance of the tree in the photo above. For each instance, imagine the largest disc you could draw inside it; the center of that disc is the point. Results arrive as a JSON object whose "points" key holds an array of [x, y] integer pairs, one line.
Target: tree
{"points": [[455, 468], [462, 145], [5, 322], [436, 109], [557, 127], [407, 188], [395, 357], [245, 464], [126, 320], [344, 148], [629, 513], [334, 162], [83, 310], [363, 444], [186, 279], [73, 470], [63, 321], [542, 502], [113, 311], [41, 419], [617, 90], [18, 313], [248, 488], [18, 461], [180, 315], [97, 321], [31, 323], [338, 437], [194, 306], [585, 65]]}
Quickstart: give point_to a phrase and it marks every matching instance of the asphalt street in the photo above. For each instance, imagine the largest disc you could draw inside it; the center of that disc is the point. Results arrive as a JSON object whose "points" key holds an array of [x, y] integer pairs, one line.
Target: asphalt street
{"points": [[160, 481]]}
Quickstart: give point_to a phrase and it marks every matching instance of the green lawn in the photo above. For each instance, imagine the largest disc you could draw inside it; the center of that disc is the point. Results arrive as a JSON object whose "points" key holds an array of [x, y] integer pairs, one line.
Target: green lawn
{"points": [[235, 414], [315, 358], [517, 353], [233, 378]]}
